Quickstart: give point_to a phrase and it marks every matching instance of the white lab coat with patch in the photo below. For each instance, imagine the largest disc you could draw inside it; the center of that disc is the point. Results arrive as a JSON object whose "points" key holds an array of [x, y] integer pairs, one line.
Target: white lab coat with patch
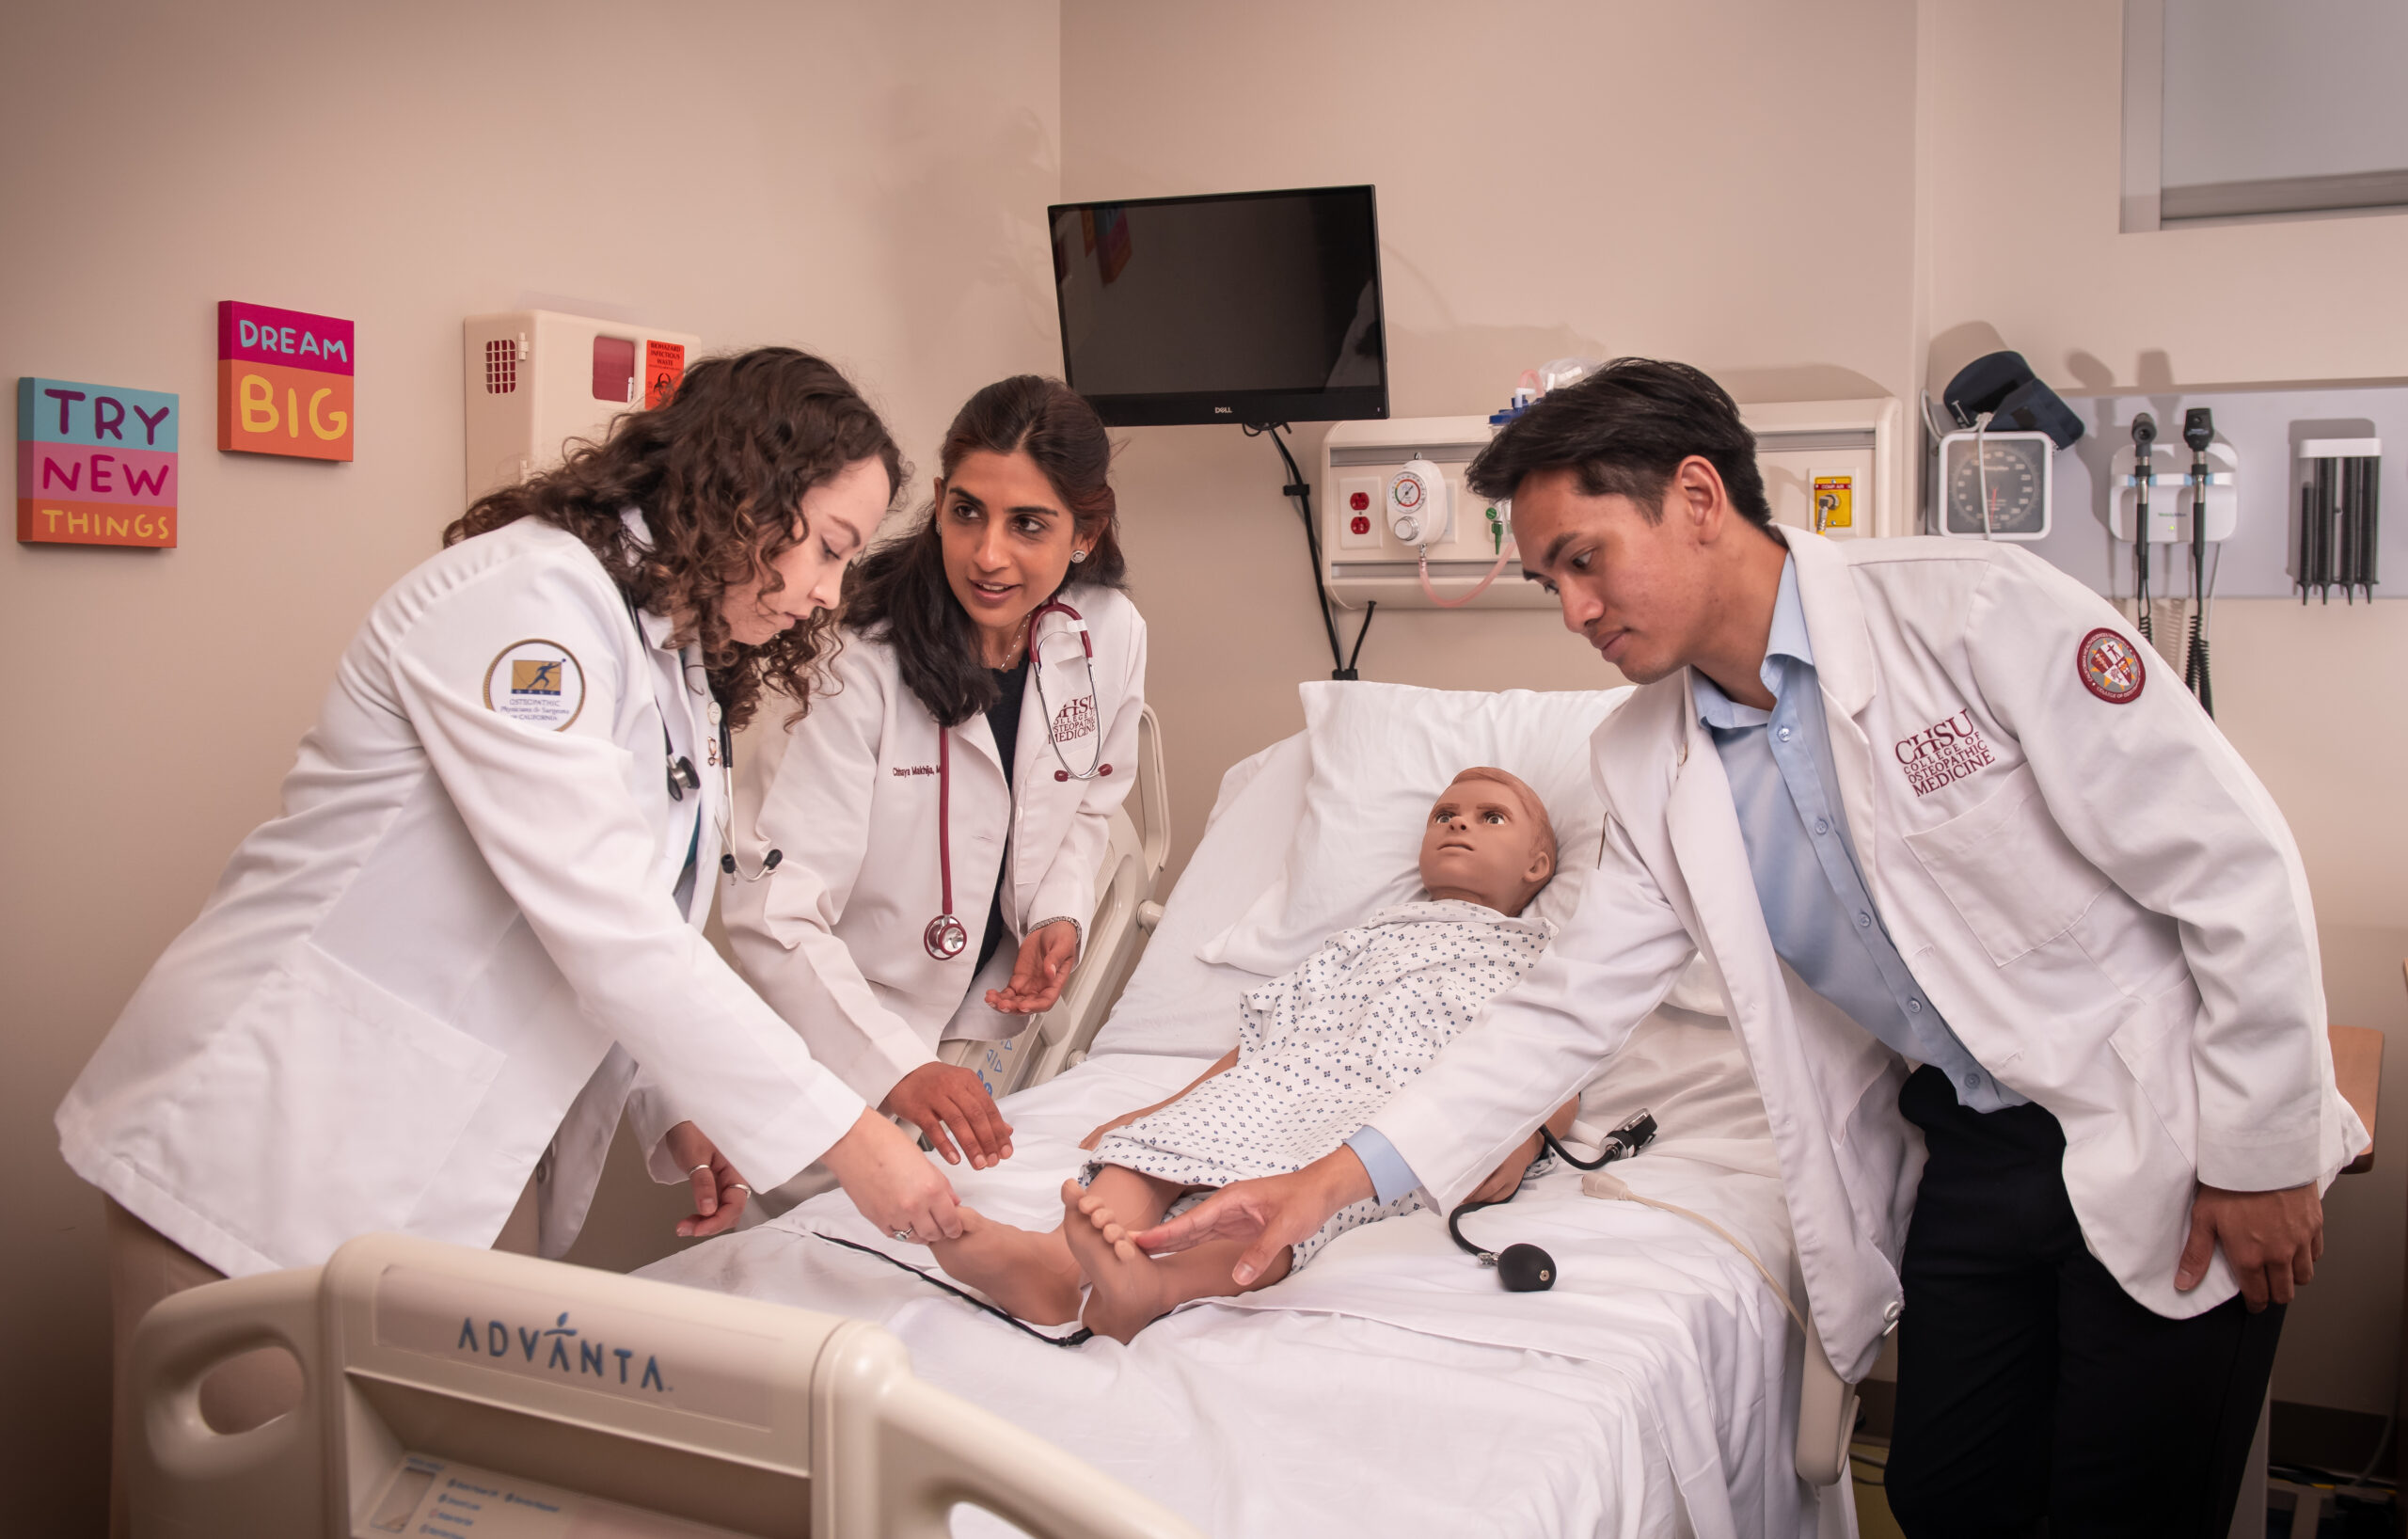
{"points": [[456, 941], [834, 936], [2100, 898]]}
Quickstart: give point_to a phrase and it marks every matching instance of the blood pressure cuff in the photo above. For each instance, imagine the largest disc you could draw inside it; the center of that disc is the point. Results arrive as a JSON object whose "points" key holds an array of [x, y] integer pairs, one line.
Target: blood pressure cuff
{"points": [[2005, 386]]}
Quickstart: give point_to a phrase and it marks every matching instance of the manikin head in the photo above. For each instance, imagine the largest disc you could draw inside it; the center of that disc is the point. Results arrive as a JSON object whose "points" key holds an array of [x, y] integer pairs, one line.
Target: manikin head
{"points": [[1638, 503], [1488, 842]]}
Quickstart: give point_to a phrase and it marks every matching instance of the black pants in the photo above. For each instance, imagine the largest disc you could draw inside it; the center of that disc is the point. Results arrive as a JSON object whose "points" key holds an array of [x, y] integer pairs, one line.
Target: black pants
{"points": [[2035, 1396]]}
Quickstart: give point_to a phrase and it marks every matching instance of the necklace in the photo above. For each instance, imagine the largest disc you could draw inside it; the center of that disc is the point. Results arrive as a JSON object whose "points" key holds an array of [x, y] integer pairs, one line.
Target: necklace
{"points": [[1019, 641]]}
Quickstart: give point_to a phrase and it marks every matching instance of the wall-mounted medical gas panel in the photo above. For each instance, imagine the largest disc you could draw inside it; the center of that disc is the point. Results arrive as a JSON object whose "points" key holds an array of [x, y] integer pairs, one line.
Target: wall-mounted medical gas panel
{"points": [[534, 379], [1837, 465]]}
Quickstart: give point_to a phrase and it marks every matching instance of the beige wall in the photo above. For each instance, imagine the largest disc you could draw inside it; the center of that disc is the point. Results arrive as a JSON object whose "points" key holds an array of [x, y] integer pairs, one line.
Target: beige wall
{"points": [[2019, 226], [1784, 195], [1803, 200], [1575, 177], [867, 180]]}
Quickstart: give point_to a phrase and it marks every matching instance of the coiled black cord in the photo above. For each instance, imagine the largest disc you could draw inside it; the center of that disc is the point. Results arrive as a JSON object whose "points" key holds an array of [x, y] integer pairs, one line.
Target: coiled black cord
{"points": [[1078, 1338]]}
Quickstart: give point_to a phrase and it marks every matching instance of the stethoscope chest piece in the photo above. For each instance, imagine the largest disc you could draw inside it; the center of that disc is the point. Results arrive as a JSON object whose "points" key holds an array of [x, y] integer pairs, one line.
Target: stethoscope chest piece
{"points": [[944, 938]]}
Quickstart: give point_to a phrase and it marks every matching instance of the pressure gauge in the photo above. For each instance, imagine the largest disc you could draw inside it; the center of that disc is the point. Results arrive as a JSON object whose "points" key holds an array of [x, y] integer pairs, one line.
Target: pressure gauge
{"points": [[1995, 485], [1416, 499]]}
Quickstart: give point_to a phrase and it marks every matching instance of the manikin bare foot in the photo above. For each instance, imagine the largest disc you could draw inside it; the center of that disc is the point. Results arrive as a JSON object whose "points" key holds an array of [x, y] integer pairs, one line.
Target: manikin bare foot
{"points": [[1130, 1288], [1030, 1275]]}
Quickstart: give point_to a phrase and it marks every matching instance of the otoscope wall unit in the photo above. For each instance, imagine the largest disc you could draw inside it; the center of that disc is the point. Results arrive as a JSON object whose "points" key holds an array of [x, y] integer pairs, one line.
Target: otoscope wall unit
{"points": [[1392, 494], [2275, 530]]}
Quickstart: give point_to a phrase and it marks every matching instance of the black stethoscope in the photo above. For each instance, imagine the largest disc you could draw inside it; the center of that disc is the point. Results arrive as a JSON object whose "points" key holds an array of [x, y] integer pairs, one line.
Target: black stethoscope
{"points": [[1526, 1268], [683, 777], [946, 937]]}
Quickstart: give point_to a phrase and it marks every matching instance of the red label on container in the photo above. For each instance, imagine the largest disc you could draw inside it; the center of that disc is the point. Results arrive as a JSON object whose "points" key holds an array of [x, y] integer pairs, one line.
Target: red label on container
{"points": [[664, 365]]}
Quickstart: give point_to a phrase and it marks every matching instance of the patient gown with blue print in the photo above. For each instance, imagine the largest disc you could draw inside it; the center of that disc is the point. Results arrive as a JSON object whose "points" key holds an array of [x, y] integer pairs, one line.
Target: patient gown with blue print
{"points": [[1322, 1049]]}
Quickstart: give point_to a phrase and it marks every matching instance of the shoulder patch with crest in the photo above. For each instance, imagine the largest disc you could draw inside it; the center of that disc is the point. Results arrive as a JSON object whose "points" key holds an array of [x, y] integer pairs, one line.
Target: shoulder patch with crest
{"points": [[536, 683], [2111, 667]]}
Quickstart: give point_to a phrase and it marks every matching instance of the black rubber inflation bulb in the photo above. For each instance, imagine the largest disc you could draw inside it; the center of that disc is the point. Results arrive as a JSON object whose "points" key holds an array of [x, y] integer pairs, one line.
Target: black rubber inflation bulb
{"points": [[1524, 1269]]}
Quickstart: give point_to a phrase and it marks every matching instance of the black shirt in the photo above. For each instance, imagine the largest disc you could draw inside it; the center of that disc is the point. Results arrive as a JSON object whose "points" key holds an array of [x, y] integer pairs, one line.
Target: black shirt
{"points": [[1003, 720]]}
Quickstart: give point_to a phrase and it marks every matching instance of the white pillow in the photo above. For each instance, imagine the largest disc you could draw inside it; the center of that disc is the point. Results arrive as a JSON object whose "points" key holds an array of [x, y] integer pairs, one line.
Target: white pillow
{"points": [[1175, 1004], [1381, 753]]}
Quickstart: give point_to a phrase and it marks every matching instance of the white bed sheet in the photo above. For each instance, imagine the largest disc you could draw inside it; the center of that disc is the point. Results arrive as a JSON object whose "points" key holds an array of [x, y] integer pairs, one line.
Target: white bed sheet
{"points": [[1392, 1388]]}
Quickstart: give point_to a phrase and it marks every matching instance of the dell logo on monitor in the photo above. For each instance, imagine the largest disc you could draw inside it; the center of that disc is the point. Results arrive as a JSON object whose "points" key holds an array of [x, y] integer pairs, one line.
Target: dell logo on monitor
{"points": [[1223, 411]]}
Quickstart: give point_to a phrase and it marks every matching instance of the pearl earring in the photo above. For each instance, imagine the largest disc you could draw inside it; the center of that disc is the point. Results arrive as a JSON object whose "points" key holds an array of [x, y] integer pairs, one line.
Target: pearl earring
{"points": [[1078, 555]]}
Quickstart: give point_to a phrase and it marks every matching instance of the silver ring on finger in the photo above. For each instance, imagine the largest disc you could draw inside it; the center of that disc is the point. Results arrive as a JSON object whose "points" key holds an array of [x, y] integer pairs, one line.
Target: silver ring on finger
{"points": [[903, 1235]]}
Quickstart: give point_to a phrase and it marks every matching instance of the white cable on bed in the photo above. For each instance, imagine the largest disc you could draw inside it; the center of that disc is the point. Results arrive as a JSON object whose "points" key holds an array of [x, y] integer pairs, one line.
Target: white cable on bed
{"points": [[1604, 1183]]}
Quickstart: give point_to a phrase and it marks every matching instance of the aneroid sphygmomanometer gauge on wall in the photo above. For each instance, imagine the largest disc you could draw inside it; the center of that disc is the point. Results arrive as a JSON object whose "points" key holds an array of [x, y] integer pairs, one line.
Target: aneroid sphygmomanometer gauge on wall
{"points": [[1994, 476], [1997, 484]]}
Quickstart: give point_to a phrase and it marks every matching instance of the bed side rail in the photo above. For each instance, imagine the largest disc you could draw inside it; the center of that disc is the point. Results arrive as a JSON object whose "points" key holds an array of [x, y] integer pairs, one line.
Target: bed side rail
{"points": [[529, 1394], [1826, 1417], [1116, 933]]}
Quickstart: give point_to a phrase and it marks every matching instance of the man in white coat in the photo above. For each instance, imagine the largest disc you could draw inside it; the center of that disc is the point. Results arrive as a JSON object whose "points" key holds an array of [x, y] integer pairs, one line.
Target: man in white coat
{"points": [[1923, 802]]}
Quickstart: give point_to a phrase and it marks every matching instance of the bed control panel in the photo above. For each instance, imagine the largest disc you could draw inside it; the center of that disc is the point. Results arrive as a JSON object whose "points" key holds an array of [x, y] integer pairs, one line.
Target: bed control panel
{"points": [[443, 1496]]}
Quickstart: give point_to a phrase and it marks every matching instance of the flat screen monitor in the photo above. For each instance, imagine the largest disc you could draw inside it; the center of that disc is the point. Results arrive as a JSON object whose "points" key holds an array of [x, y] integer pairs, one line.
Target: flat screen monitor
{"points": [[1245, 307]]}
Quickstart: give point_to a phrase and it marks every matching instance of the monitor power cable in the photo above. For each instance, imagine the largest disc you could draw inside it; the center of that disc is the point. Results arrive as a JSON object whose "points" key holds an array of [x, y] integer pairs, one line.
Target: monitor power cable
{"points": [[1341, 662]]}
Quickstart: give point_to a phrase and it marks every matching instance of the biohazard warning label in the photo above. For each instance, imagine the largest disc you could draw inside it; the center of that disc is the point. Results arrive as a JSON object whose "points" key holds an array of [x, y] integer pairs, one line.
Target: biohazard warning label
{"points": [[664, 366], [1942, 753]]}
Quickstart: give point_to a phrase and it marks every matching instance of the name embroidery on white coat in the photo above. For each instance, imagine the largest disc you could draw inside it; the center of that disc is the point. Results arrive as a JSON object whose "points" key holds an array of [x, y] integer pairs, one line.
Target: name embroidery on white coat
{"points": [[1942, 753], [1076, 718], [902, 769]]}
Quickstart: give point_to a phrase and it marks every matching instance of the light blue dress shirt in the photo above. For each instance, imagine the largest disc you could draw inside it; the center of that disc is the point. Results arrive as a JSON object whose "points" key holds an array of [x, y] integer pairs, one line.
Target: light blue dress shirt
{"points": [[1814, 901], [1392, 1178]]}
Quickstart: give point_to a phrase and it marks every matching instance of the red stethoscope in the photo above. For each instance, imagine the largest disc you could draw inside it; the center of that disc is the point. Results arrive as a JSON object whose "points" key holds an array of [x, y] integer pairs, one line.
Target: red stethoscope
{"points": [[945, 937]]}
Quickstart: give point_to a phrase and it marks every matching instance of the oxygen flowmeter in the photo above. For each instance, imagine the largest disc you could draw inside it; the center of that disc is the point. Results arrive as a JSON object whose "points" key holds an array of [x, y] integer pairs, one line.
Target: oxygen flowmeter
{"points": [[1418, 511]]}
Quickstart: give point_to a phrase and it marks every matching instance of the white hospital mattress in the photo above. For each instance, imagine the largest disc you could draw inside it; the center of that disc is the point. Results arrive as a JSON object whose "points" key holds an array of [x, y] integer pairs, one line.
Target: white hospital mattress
{"points": [[1392, 1388]]}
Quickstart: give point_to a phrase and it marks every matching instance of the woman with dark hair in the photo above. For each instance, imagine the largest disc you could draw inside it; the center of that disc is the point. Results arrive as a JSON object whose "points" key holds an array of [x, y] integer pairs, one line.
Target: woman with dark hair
{"points": [[941, 810], [421, 995]]}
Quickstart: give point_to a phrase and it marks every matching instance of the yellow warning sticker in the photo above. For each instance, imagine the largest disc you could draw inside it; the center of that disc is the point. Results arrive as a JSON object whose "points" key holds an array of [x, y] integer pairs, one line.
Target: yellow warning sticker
{"points": [[1834, 502]]}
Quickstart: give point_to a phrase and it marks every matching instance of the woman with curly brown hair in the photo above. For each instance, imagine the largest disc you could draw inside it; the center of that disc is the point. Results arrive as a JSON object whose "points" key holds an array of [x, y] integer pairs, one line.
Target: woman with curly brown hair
{"points": [[421, 995], [942, 809]]}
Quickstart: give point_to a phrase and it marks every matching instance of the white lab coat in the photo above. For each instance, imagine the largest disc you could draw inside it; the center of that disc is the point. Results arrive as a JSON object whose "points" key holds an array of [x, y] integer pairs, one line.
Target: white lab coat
{"points": [[2104, 903], [833, 937], [460, 927]]}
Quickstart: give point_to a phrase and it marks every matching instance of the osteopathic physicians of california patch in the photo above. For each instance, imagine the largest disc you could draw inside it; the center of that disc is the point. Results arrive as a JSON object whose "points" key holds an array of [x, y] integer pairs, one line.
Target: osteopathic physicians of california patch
{"points": [[536, 683], [2111, 667]]}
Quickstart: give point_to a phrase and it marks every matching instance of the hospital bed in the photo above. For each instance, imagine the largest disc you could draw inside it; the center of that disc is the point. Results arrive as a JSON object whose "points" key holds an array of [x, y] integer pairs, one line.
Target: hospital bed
{"points": [[493, 1396], [1392, 1388]]}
